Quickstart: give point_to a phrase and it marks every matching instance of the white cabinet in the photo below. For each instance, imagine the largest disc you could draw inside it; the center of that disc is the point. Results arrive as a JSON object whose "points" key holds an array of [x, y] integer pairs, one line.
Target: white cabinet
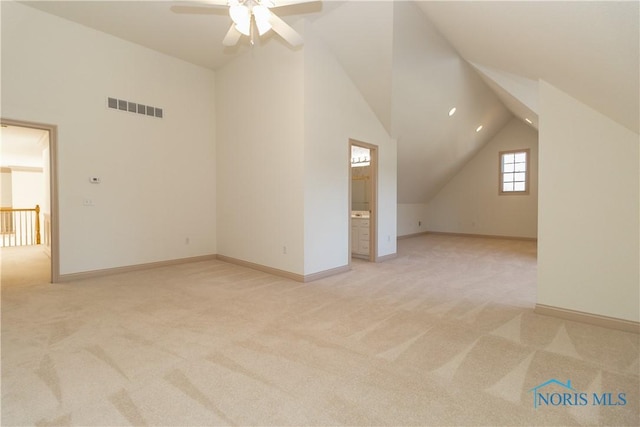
{"points": [[360, 236]]}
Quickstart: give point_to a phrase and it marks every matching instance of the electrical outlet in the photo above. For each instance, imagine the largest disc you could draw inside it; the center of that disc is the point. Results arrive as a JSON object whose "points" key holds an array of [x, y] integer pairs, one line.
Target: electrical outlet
{"points": [[284, 250], [87, 202]]}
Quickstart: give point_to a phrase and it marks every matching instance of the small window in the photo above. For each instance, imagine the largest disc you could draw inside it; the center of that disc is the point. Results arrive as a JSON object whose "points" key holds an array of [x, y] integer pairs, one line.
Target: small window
{"points": [[514, 172]]}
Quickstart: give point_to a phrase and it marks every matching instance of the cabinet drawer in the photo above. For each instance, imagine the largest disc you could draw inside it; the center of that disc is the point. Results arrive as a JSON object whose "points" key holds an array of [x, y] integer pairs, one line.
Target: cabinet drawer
{"points": [[364, 246], [364, 223], [364, 234]]}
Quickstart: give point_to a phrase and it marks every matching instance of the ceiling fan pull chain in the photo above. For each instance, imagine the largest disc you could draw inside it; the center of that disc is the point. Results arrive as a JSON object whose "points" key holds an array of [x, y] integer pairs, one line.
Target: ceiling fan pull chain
{"points": [[251, 31]]}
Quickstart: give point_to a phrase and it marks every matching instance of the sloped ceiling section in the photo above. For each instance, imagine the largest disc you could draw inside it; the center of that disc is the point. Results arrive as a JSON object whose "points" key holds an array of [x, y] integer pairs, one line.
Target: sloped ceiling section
{"points": [[519, 94], [182, 29], [160, 25], [360, 35], [590, 50], [411, 77], [430, 78]]}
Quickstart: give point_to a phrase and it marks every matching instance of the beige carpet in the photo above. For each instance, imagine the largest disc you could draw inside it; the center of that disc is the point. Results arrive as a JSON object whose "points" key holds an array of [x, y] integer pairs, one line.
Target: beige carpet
{"points": [[442, 335], [24, 266]]}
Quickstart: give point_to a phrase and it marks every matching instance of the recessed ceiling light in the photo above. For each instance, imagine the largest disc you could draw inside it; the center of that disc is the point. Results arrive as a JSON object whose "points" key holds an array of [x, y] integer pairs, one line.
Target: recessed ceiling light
{"points": [[452, 111], [528, 121], [479, 128]]}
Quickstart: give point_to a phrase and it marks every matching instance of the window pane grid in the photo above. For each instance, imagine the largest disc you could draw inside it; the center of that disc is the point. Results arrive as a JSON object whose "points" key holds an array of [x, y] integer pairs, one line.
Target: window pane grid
{"points": [[513, 172]]}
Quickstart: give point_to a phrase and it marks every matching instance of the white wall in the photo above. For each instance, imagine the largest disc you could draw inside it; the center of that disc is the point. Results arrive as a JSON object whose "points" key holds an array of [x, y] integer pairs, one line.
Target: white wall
{"points": [[259, 101], [588, 244], [283, 180], [6, 188], [412, 218], [27, 188], [334, 112], [470, 203], [155, 172]]}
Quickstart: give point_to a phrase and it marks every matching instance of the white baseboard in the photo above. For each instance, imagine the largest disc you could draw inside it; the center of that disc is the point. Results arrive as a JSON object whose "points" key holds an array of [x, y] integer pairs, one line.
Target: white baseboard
{"points": [[484, 236], [384, 258], [263, 268], [590, 318], [276, 272], [304, 278], [408, 236], [326, 273], [137, 267]]}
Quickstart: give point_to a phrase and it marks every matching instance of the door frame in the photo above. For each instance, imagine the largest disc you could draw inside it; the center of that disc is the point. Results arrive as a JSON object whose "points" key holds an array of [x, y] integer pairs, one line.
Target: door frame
{"points": [[373, 184], [53, 187]]}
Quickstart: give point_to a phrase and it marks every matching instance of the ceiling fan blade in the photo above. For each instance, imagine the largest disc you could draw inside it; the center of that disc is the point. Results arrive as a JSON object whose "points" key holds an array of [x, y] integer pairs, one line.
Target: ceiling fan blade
{"points": [[279, 3], [232, 37], [203, 3], [196, 10], [285, 31]]}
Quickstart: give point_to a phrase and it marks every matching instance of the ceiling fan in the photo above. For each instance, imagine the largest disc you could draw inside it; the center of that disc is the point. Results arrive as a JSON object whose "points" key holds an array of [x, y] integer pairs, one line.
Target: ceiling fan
{"points": [[249, 16]]}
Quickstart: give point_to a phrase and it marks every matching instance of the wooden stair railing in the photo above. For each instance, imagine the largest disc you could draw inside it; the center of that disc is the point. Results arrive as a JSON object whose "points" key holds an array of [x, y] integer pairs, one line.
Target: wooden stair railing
{"points": [[20, 227]]}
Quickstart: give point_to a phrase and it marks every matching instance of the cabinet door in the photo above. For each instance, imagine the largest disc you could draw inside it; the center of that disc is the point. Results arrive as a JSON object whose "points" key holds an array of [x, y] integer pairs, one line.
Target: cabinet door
{"points": [[363, 247], [364, 234], [355, 237]]}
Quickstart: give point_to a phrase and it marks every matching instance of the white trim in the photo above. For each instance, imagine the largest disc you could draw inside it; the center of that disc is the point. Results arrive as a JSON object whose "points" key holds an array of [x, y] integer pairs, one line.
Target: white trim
{"points": [[590, 318], [129, 268]]}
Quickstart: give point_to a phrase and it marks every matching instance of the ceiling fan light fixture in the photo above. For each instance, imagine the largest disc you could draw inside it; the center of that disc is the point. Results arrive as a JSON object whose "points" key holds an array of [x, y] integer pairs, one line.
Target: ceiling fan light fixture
{"points": [[263, 26], [239, 13], [244, 28], [241, 16], [254, 18], [262, 15]]}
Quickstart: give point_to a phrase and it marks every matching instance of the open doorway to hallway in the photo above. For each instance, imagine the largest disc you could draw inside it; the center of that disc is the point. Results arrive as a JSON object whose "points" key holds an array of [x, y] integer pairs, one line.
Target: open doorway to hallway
{"points": [[27, 235]]}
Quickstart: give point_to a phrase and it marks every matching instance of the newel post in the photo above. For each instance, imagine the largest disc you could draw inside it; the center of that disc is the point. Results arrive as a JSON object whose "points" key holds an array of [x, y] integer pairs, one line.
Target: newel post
{"points": [[37, 224]]}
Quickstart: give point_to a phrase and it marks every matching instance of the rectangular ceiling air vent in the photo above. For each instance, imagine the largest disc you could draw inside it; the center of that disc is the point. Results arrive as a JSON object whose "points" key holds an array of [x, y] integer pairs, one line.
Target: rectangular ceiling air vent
{"points": [[133, 107]]}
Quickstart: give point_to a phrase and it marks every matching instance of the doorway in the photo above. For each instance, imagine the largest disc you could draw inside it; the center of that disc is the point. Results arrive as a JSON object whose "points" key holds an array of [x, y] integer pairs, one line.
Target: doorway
{"points": [[29, 160], [363, 206]]}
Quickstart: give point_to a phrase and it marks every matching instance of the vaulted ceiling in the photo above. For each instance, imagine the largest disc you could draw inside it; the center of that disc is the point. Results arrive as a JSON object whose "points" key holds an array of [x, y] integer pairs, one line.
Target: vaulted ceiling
{"points": [[415, 60], [589, 49]]}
